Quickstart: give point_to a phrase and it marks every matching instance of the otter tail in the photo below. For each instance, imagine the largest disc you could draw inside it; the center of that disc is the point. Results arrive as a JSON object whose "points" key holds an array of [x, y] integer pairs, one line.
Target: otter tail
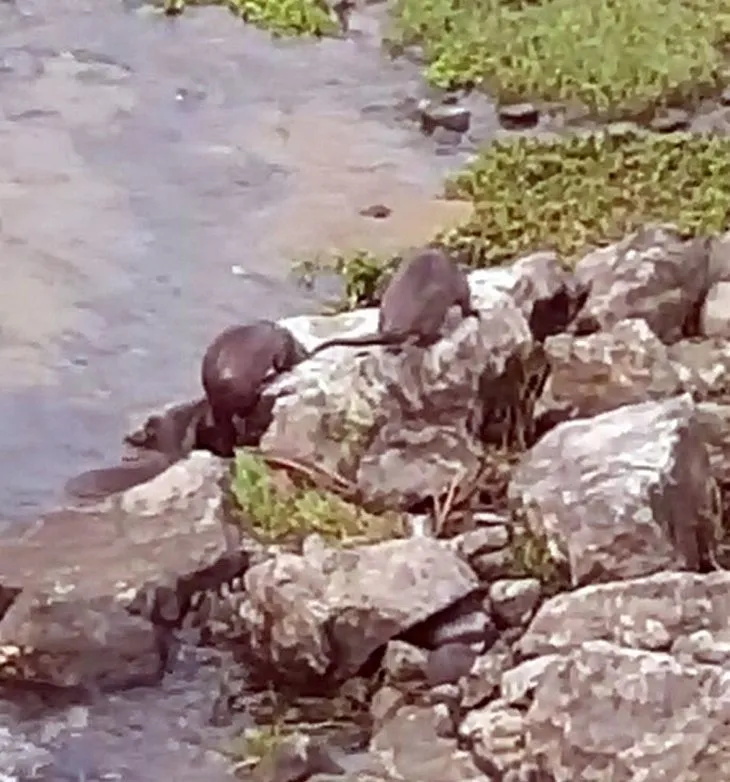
{"points": [[364, 341]]}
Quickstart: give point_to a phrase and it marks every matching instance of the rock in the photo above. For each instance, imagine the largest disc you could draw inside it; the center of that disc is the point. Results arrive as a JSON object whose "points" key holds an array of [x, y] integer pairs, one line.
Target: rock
{"points": [[470, 544], [66, 621], [653, 274], [719, 260], [377, 211], [447, 116], [514, 600], [703, 646], [623, 494], [623, 365], [482, 681], [304, 624], [412, 750], [519, 683], [496, 735], [518, 116], [384, 705], [490, 565], [702, 367], [20, 759], [404, 662], [548, 295], [673, 717], [364, 416], [670, 121], [449, 663], [645, 613], [94, 644], [715, 315], [296, 758]]}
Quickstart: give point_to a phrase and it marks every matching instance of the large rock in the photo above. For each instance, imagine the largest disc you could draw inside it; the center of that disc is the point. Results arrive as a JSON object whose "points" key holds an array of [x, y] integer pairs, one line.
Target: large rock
{"points": [[646, 613], [623, 365], [653, 274], [402, 426], [623, 494], [69, 581], [319, 616], [608, 713]]}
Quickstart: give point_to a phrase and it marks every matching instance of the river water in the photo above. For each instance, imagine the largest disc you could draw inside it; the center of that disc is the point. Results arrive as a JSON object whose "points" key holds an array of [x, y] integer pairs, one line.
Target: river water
{"points": [[157, 176]]}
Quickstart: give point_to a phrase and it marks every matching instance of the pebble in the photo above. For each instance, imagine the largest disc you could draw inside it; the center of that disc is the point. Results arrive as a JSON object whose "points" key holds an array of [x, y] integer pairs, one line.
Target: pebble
{"points": [[518, 116]]}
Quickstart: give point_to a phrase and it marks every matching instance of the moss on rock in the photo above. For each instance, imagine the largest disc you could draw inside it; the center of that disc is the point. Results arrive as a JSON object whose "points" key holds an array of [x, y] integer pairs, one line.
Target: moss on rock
{"points": [[279, 17], [616, 58]]}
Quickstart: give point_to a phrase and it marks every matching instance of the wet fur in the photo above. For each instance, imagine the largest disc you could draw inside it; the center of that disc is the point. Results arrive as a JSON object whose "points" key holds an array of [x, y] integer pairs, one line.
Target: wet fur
{"points": [[237, 366], [416, 302]]}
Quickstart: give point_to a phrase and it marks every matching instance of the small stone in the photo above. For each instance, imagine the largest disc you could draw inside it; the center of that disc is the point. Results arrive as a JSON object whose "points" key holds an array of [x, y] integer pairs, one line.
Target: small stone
{"points": [[385, 704], [670, 121], [450, 117], [514, 600], [449, 663], [725, 97], [480, 540], [484, 678], [404, 662], [518, 116], [492, 564], [378, 211]]}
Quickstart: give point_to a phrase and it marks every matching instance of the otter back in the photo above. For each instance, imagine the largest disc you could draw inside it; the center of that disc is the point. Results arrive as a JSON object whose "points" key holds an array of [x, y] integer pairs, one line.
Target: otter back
{"points": [[416, 302]]}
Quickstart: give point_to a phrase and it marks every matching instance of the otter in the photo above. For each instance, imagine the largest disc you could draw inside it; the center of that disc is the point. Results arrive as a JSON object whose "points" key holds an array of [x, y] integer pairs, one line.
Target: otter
{"points": [[176, 431], [163, 440], [100, 483], [415, 303], [236, 367]]}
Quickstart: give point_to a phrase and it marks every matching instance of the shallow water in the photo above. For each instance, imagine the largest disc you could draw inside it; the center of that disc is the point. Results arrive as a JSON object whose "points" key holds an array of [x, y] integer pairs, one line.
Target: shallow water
{"points": [[156, 178]]}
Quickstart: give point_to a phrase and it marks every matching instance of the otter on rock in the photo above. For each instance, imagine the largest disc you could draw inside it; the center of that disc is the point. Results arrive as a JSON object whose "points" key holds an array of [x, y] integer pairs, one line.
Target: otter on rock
{"points": [[237, 365], [416, 302]]}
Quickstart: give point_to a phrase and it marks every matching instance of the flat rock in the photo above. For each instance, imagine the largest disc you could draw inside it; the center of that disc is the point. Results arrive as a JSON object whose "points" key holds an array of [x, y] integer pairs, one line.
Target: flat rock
{"points": [[645, 613]]}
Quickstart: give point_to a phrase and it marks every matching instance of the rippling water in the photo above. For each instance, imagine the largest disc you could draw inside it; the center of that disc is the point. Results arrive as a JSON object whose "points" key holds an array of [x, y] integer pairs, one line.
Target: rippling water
{"points": [[143, 158]]}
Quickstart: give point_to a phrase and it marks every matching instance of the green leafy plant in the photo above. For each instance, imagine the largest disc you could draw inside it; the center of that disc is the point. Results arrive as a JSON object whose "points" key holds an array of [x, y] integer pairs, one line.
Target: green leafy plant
{"points": [[580, 191], [280, 17], [362, 274], [616, 58], [279, 511]]}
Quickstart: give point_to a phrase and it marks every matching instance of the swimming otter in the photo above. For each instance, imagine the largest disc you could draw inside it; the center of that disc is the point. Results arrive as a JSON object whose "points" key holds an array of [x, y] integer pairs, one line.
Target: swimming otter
{"points": [[415, 303], [236, 367], [100, 483]]}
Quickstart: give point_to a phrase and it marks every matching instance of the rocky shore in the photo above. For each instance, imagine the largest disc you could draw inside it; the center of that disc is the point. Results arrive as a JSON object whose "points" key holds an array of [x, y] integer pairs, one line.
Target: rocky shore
{"points": [[551, 604]]}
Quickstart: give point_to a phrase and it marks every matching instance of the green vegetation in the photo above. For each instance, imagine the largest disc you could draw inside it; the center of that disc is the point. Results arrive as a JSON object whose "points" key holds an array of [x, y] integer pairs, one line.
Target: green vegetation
{"points": [[278, 509], [616, 58], [575, 192], [279, 17]]}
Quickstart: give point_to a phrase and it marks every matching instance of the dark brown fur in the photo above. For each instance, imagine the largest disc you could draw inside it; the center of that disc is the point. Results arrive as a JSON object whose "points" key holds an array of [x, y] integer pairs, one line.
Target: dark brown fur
{"points": [[416, 302], [236, 367], [97, 484]]}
